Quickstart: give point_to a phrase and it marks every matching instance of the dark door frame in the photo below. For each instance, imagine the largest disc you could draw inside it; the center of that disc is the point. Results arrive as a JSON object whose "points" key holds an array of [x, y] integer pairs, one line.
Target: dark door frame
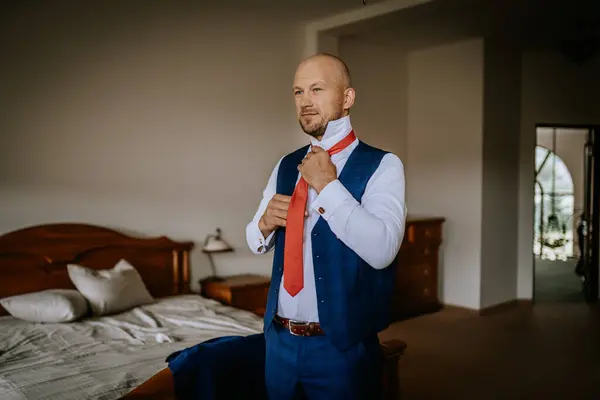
{"points": [[591, 209], [592, 215]]}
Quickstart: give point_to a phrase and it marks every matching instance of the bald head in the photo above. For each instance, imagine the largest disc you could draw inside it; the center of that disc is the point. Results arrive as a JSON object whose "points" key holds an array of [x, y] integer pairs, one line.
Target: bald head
{"points": [[323, 92], [334, 64]]}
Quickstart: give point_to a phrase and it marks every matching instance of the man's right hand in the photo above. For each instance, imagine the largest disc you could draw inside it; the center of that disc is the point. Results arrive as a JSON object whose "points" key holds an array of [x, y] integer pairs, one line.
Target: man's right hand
{"points": [[275, 215]]}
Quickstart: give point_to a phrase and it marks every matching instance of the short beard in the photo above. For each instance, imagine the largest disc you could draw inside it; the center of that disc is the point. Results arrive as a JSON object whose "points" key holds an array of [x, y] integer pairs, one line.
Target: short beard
{"points": [[319, 131], [315, 132]]}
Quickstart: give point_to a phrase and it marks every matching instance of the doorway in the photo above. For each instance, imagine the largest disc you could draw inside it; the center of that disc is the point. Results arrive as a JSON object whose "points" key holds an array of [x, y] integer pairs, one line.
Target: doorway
{"points": [[566, 212]]}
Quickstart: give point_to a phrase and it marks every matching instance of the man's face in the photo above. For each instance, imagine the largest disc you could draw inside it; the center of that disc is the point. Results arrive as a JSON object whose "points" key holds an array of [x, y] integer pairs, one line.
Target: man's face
{"points": [[319, 96]]}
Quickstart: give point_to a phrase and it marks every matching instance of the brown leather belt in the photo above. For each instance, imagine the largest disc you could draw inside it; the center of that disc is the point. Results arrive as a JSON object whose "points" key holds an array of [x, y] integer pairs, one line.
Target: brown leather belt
{"points": [[300, 328]]}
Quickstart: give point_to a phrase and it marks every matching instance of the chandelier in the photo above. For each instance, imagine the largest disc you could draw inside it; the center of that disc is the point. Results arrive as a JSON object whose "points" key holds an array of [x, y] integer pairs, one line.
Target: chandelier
{"points": [[555, 232]]}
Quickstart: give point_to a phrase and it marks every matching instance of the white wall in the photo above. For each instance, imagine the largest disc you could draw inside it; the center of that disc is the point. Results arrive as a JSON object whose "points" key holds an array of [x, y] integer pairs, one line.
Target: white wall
{"points": [[379, 116], [445, 133], [162, 122], [499, 224], [554, 91], [549, 90]]}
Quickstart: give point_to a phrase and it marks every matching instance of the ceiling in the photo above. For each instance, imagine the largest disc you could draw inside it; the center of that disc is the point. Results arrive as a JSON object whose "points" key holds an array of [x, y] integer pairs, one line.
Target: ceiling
{"points": [[299, 9], [310, 9], [528, 23]]}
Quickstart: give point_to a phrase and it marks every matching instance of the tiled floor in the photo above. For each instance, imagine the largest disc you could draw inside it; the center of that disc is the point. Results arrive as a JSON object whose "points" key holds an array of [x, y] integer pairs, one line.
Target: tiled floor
{"points": [[545, 351]]}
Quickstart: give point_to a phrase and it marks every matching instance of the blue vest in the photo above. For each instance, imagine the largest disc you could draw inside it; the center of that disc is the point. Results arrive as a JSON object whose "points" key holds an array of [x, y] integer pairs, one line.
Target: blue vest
{"points": [[353, 297]]}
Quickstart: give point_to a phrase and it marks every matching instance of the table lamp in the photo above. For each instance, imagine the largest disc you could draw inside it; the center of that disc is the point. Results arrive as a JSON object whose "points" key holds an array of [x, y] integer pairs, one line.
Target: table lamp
{"points": [[214, 243]]}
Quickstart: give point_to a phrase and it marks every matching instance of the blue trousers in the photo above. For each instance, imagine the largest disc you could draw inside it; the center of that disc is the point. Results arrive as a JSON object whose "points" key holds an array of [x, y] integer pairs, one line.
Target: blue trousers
{"points": [[299, 367]]}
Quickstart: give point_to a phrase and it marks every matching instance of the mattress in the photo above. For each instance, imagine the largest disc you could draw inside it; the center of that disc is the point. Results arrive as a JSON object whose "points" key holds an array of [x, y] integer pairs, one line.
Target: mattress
{"points": [[103, 358]]}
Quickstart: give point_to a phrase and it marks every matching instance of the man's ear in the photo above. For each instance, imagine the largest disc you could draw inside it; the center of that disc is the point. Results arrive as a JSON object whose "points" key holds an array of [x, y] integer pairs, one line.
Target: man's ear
{"points": [[349, 95]]}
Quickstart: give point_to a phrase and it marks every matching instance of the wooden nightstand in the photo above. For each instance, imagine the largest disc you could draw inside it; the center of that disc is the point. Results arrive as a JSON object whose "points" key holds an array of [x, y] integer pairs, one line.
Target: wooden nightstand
{"points": [[248, 292]]}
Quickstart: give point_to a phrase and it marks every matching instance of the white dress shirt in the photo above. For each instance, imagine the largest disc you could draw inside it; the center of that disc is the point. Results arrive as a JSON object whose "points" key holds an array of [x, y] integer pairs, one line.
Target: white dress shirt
{"points": [[373, 228]]}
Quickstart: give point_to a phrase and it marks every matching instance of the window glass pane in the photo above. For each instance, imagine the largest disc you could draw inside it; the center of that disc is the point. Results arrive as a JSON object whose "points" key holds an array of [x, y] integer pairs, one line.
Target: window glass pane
{"points": [[563, 181], [561, 202], [540, 154]]}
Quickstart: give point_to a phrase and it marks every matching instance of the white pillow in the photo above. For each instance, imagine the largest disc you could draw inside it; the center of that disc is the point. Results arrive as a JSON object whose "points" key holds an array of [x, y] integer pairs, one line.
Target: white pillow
{"points": [[52, 306], [110, 291]]}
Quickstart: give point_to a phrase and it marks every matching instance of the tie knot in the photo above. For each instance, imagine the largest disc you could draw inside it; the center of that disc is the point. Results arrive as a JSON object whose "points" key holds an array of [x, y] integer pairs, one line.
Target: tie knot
{"points": [[342, 144]]}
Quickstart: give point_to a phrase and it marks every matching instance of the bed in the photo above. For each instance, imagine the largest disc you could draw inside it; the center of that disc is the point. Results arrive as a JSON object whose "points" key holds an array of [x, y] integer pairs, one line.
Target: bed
{"points": [[106, 356]]}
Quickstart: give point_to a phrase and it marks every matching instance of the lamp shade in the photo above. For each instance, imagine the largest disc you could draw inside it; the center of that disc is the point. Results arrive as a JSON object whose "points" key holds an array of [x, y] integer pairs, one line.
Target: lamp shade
{"points": [[216, 244]]}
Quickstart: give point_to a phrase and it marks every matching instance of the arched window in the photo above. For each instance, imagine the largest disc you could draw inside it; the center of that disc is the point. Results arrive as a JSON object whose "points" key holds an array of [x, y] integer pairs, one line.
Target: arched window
{"points": [[554, 194]]}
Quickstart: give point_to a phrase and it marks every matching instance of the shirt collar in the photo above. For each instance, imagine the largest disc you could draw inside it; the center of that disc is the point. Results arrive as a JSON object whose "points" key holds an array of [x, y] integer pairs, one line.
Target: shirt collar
{"points": [[336, 130]]}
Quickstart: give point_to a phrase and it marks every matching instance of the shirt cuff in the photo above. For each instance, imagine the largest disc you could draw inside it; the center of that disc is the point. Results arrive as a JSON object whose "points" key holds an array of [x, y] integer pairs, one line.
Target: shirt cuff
{"points": [[260, 244], [332, 198]]}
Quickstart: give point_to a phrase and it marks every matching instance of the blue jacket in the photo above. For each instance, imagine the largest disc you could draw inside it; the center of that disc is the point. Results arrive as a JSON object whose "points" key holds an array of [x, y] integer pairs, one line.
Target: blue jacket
{"points": [[353, 298], [227, 367]]}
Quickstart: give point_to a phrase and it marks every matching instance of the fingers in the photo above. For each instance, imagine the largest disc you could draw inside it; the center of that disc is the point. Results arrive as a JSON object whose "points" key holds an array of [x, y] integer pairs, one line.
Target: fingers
{"points": [[277, 213], [302, 163], [316, 149], [274, 218], [277, 210], [282, 197], [282, 213], [281, 209], [279, 221], [279, 202], [279, 205], [274, 222]]}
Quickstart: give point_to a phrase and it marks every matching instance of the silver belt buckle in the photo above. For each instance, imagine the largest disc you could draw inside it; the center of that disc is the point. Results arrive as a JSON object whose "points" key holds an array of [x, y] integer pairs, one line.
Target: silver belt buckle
{"points": [[293, 323]]}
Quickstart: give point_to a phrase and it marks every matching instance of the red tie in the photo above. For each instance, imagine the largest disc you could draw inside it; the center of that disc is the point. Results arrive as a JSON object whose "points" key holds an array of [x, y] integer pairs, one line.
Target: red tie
{"points": [[293, 266]]}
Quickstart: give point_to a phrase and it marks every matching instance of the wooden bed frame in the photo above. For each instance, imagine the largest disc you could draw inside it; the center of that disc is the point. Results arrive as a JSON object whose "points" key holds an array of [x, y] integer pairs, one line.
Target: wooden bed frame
{"points": [[35, 258]]}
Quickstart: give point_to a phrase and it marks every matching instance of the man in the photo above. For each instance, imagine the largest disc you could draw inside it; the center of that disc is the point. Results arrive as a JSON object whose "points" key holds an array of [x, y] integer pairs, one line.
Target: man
{"points": [[334, 212]]}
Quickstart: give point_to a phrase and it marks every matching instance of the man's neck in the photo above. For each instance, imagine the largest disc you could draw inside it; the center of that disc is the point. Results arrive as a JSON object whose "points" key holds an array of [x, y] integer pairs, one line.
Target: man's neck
{"points": [[339, 127]]}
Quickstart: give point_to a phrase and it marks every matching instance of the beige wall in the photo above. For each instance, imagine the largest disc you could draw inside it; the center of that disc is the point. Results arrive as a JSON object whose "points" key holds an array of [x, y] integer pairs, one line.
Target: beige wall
{"points": [[496, 265], [379, 115], [554, 91], [499, 224], [445, 122], [160, 123]]}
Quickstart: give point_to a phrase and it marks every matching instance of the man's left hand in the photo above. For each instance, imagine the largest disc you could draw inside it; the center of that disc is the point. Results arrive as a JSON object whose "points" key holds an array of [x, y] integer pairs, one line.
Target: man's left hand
{"points": [[317, 169]]}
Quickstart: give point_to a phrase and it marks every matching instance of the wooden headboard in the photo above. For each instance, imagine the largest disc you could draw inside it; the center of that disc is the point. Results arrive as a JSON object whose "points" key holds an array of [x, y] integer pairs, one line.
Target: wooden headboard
{"points": [[35, 258]]}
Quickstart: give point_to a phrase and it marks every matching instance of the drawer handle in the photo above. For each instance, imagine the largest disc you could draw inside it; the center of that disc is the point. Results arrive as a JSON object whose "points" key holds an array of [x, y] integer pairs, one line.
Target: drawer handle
{"points": [[425, 271], [426, 292], [426, 251], [411, 234]]}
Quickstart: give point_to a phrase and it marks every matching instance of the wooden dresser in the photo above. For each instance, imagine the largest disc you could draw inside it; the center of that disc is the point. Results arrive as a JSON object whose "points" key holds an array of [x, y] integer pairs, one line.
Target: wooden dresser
{"points": [[416, 289], [248, 291]]}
